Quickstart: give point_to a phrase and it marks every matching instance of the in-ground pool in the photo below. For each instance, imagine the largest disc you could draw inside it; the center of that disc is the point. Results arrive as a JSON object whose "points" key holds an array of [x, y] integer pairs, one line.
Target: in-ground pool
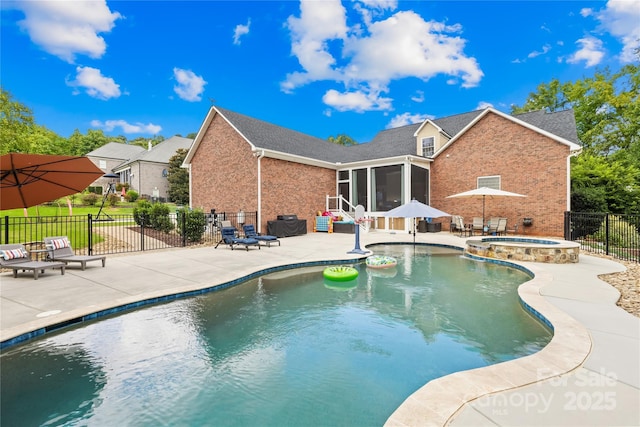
{"points": [[285, 349]]}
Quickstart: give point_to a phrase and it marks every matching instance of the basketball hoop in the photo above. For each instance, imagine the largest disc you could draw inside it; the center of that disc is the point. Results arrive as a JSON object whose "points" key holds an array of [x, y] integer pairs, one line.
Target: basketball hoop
{"points": [[359, 218]]}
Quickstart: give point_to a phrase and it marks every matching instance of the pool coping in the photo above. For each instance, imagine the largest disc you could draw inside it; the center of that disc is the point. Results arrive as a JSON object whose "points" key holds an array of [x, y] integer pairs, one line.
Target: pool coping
{"points": [[439, 401]]}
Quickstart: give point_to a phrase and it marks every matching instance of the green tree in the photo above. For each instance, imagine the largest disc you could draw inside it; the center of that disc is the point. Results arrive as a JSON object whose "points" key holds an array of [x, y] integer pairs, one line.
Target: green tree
{"points": [[606, 107], [342, 139], [601, 184], [178, 178], [16, 122]]}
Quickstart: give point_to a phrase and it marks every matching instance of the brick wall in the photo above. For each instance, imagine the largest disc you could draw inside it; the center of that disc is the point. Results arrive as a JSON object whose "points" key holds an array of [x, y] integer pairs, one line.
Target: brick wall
{"points": [[527, 162], [224, 176]]}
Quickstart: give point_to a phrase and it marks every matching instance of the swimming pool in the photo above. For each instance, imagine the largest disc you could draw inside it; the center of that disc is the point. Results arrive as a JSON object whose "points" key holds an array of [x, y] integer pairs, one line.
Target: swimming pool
{"points": [[281, 349]]}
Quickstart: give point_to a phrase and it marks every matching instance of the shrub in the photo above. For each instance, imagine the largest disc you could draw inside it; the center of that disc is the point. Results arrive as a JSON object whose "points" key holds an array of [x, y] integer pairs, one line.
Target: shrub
{"points": [[131, 196], [621, 233], [154, 215], [194, 224], [113, 199], [90, 199]]}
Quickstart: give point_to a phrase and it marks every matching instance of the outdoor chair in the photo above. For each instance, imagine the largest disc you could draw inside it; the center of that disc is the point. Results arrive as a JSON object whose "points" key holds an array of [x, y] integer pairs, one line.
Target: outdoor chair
{"points": [[59, 249], [250, 233], [230, 239], [16, 257], [502, 227], [492, 226], [477, 225], [463, 229]]}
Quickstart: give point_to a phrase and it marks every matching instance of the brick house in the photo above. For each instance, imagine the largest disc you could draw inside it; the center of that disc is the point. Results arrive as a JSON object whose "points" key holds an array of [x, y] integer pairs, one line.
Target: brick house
{"points": [[240, 163], [144, 170]]}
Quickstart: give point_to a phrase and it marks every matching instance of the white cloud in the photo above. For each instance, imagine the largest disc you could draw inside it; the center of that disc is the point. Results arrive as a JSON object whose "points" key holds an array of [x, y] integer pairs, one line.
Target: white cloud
{"points": [[591, 52], [68, 28], [370, 57], [190, 86], [407, 119], [94, 83], [586, 11], [483, 104], [546, 48], [621, 18], [126, 127], [358, 101], [240, 31], [418, 97]]}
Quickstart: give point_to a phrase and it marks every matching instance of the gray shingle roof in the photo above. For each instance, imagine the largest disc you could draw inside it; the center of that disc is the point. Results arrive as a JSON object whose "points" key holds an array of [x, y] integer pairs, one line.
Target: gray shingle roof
{"points": [[277, 138], [394, 142], [160, 153], [117, 151]]}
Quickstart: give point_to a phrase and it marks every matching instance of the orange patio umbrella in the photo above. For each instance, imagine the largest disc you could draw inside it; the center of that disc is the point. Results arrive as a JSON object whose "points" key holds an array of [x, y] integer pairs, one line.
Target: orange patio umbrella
{"points": [[31, 179]]}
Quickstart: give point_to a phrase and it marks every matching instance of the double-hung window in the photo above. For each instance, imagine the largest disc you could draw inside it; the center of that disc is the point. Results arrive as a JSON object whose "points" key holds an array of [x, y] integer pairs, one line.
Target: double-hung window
{"points": [[428, 146]]}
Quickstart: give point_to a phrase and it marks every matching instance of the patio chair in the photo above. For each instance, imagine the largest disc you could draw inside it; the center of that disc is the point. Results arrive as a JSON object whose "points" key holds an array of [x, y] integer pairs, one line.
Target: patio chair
{"points": [[230, 239], [59, 249], [464, 230], [16, 257], [501, 230], [477, 225], [492, 226], [250, 233]]}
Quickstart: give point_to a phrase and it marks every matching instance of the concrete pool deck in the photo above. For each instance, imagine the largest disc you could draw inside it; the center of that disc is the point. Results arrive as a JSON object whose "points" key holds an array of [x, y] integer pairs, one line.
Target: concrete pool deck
{"points": [[589, 375]]}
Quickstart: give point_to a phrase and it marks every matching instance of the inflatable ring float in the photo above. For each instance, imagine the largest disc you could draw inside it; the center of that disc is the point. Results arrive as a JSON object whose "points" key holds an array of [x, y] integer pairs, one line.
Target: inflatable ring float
{"points": [[340, 273], [381, 261]]}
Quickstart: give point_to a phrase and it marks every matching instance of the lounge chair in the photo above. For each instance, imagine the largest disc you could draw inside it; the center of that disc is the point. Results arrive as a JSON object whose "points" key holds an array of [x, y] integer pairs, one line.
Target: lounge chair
{"points": [[16, 257], [59, 249], [250, 233], [229, 238]]}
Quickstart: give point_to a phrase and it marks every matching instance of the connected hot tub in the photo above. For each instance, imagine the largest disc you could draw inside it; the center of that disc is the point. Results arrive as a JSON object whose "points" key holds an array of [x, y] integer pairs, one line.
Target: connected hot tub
{"points": [[525, 249]]}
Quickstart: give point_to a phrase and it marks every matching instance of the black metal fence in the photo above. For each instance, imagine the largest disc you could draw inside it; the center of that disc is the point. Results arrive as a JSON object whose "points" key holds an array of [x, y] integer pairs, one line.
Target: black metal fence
{"points": [[122, 233], [609, 234]]}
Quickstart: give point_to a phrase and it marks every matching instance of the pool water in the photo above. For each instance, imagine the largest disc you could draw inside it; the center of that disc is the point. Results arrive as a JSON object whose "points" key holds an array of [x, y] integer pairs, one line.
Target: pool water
{"points": [[284, 349]]}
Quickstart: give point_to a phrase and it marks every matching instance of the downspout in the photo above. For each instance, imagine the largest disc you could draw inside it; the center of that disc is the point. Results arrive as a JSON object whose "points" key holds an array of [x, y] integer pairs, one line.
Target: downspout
{"points": [[571, 154], [190, 187], [259, 155]]}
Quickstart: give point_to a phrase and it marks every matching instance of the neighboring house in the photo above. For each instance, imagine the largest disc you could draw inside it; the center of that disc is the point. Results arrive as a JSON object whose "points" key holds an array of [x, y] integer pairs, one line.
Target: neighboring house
{"points": [[145, 171], [109, 156], [240, 163]]}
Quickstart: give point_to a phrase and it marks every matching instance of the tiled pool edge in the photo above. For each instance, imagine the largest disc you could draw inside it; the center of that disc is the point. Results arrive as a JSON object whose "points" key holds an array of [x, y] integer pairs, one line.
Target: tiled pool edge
{"points": [[85, 315], [439, 401]]}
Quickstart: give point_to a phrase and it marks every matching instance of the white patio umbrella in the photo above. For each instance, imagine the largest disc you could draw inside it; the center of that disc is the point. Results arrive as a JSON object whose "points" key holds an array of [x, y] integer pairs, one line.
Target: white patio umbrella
{"points": [[415, 209], [484, 192]]}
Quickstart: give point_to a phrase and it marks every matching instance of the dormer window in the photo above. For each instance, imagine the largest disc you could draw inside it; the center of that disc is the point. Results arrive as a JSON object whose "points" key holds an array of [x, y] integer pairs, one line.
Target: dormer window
{"points": [[428, 146]]}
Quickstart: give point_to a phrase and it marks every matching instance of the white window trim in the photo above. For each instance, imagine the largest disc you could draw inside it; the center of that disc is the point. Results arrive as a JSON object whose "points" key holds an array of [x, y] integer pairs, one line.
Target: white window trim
{"points": [[433, 145]]}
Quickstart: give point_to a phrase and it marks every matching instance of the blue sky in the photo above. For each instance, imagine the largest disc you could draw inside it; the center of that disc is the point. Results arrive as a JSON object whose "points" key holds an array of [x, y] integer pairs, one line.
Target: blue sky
{"points": [[322, 67]]}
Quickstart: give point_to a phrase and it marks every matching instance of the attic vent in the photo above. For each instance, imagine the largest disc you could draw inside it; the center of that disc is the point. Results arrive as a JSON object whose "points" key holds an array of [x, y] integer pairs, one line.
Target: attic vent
{"points": [[165, 173], [489, 182]]}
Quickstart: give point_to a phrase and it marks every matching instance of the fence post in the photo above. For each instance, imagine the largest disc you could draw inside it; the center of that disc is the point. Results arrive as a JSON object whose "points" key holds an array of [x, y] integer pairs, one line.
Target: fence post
{"points": [[142, 218], [567, 225], [606, 233], [6, 229], [90, 237], [183, 220]]}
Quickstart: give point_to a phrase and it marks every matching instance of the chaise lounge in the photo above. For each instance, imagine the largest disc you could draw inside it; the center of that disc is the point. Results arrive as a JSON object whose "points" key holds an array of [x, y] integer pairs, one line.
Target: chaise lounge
{"points": [[229, 238], [16, 257], [59, 249], [250, 233]]}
